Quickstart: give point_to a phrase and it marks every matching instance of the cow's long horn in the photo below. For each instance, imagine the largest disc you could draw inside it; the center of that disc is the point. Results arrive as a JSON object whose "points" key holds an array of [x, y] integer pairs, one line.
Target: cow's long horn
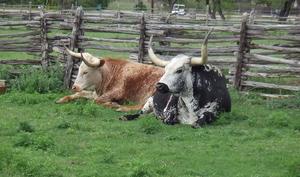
{"points": [[203, 59], [90, 60], [153, 57], [87, 58], [71, 52]]}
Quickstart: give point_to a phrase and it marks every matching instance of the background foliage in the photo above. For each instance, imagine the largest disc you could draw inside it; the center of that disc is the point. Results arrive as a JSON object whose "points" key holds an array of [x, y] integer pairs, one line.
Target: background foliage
{"points": [[199, 4]]}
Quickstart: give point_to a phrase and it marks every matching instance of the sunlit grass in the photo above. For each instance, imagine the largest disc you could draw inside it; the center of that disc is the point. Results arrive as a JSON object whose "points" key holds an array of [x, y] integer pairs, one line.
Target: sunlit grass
{"points": [[82, 139]]}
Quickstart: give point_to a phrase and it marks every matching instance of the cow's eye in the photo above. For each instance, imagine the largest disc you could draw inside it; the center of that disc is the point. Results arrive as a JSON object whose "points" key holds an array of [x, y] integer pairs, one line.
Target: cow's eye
{"points": [[85, 72], [179, 71]]}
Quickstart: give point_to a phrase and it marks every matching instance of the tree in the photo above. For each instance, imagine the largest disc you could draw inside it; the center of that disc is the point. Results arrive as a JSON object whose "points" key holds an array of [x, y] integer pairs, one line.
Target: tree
{"points": [[93, 3], [216, 5], [140, 6], [170, 3], [284, 6], [285, 11], [65, 4]]}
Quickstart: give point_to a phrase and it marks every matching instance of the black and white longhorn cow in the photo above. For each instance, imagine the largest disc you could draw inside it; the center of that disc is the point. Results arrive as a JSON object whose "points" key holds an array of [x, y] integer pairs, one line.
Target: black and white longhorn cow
{"points": [[190, 92]]}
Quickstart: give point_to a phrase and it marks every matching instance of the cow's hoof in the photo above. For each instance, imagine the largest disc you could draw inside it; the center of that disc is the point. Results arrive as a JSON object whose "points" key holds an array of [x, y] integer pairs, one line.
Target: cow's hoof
{"points": [[123, 118], [169, 122], [115, 105], [59, 101], [196, 125], [121, 109]]}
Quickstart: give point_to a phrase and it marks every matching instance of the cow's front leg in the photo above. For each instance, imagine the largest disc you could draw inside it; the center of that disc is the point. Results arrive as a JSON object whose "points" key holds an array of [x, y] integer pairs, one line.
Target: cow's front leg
{"points": [[83, 94], [171, 117], [205, 118], [130, 117], [131, 108], [169, 121], [146, 109], [109, 99], [109, 103]]}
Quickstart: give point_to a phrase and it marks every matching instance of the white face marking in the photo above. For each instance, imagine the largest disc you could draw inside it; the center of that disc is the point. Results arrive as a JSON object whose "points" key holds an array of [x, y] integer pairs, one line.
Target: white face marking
{"points": [[88, 77], [177, 73]]}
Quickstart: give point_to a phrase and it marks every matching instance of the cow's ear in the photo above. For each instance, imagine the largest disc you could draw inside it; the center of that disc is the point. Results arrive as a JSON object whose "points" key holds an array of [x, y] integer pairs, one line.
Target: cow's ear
{"points": [[102, 62]]}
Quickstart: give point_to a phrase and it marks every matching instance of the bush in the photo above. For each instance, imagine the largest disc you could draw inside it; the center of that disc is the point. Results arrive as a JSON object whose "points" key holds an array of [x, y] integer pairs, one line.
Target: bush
{"points": [[140, 6], [40, 80], [4, 74]]}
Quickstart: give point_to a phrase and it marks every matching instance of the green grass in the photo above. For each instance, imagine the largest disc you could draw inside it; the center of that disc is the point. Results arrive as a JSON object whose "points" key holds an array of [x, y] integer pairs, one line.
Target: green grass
{"points": [[259, 138], [41, 138], [124, 5], [15, 55]]}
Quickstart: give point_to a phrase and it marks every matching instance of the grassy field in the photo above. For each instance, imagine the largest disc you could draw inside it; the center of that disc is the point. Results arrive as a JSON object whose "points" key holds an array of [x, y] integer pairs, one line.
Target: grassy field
{"points": [[40, 138], [259, 138]]}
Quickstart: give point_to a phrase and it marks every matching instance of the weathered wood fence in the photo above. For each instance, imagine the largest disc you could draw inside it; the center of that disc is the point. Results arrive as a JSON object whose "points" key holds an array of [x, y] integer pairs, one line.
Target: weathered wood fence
{"points": [[250, 52]]}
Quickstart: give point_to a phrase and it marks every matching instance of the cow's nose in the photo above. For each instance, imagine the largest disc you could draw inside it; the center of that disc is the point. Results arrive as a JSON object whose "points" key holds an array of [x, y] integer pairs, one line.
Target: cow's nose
{"points": [[75, 88], [159, 86], [163, 88]]}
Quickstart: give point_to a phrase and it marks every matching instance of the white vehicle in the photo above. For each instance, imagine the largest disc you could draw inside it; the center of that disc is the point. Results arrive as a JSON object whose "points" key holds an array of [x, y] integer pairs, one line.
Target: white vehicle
{"points": [[178, 9]]}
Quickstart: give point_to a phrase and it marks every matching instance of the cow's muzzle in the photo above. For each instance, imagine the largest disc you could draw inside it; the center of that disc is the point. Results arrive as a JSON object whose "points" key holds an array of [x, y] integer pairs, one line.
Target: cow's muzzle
{"points": [[76, 88], [163, 88]]}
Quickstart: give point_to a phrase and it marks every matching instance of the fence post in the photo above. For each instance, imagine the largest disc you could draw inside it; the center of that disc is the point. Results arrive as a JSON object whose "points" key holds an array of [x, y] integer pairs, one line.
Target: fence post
{"points": [[100, 10], [141, 40], [237, 82], [72, 9], [73, 41], [207, 15], [252, 15], [119, 15], [30, 8], [44, 41]]}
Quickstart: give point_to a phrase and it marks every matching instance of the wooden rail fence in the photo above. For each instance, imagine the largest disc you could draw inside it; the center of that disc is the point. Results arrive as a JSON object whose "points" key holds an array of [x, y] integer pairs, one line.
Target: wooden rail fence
{"points": [[253, 54]]}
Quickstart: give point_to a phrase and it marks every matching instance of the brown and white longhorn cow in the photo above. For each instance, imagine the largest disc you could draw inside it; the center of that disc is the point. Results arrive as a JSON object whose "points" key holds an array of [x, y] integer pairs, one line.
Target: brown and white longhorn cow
{"points": [[114, 81]]}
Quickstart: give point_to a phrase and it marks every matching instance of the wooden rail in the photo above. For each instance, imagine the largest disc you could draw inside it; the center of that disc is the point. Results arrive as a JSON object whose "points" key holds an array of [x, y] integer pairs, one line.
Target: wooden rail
{"points": [[247, 51]]}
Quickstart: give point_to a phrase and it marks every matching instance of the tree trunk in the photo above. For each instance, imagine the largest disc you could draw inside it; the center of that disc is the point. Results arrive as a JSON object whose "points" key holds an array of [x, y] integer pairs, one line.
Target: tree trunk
{"points": [[213, 16], [171, 4], [218, 7], [65, 5], [285, 11]]}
